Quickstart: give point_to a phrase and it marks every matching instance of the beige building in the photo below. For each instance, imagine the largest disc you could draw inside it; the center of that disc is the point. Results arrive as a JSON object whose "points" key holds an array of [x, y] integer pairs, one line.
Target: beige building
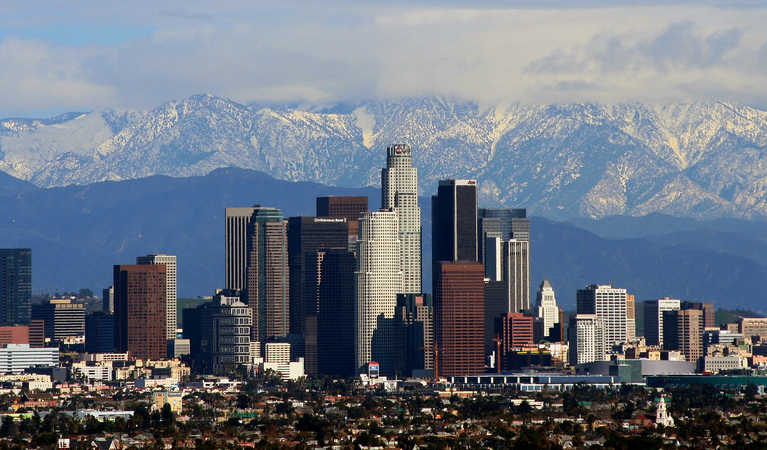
{"points": [[690, 338], [753, 326], [174, 399]]}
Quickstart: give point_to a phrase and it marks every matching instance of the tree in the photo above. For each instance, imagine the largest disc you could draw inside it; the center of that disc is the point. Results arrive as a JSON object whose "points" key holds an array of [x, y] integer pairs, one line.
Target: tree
{"points": [[168, 419], [751, 391]]}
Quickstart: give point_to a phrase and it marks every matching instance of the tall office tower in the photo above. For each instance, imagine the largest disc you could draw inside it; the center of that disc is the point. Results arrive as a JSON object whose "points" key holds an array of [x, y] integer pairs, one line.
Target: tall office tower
{"points": [[237, 229], [682, 331], [108, 300], [36, 333], [653, 318], [378, 280], [99, 332], [15, 285], [609, 304], [140, 310], [62, 318], [709, 314], [587, 339], [171, 283], [335, 319], [508, 264], [307, 236], [347, 207], [225, 323], [454, 221], [415, 316], [515, 330], [399, 191], [548, 310], [268, 290], [504, 223], [459, 317], [631, 321]]}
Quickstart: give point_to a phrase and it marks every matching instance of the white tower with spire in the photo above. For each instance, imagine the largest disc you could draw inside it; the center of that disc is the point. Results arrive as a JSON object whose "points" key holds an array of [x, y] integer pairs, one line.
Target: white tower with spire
{"points": [[548, 310], [662, 417]]}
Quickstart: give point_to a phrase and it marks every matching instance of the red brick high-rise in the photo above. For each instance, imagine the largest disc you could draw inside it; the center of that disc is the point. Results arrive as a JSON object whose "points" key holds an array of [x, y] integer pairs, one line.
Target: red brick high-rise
{"points": [[515, 330], [346, 207], [140, 310], [459, 317]]}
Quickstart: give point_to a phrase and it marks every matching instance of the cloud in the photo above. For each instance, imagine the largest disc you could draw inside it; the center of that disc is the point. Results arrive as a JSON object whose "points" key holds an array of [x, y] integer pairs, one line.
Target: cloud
{"points": [[343, 51]]}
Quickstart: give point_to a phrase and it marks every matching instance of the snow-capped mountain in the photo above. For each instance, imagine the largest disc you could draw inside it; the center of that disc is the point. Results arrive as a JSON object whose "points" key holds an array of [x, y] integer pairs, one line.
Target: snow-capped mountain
{"points": [[698, 160]]}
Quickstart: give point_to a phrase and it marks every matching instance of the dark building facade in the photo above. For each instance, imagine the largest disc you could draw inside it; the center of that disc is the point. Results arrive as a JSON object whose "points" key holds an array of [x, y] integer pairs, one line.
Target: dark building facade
{"points": [[140, 310], [709, 313], [36, 333], [459, 317], [335, 318], [454, 221], [504, 223], [99, 332], [15, 285], [346, 207], [306, 236], [415, 317]]}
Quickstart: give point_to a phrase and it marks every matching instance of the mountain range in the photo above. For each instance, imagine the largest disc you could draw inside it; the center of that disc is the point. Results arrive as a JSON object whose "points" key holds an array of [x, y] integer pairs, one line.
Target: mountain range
{"points": [[78, 232], [702, 160]]}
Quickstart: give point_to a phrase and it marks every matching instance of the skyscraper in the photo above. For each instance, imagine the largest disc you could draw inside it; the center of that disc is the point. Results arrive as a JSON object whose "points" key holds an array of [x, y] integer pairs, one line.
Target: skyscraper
{"points": [[682, 331], [504, 223], [653, 318], [631, 324], [335, 320], [237, 226], [267, 288], [140, 326], [586, 335], [459, 317], [378, 281], [171, 283], [548, 310], [226, 322], [306, 236], [609, 304], [99, 332], [108, 300], [399, 192], [507, 265], [415, 316], [15, 285], [62, 318], [454, 221], [345, 207]]}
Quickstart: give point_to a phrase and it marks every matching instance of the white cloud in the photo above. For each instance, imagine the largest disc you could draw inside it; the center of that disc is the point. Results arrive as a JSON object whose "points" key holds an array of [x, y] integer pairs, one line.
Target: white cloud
{"points": [[346, 51]]}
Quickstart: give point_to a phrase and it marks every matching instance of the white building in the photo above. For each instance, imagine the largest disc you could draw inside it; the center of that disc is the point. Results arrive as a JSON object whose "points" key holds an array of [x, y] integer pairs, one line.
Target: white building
{"points": [[277, 352], [508, 261], [587, 339], [609, 304], [653, 318], [14, 358], [291, 370], [94, 372], [716, 364], [548, 311], [399, 191], [662, 417], [171, 292], [378, 281]]}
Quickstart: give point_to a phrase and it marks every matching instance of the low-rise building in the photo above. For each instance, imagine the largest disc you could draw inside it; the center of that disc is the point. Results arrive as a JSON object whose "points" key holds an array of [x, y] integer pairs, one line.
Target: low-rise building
{"points": [[716, 364], [14, 358]]}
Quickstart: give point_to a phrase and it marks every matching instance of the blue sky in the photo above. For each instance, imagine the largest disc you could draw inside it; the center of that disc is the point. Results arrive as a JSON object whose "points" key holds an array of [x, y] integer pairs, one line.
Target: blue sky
{"points": [[76, 55]]}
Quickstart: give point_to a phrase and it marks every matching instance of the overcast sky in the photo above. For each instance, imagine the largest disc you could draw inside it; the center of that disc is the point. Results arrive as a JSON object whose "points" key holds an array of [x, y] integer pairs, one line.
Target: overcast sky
{"points": [[72, 55]]}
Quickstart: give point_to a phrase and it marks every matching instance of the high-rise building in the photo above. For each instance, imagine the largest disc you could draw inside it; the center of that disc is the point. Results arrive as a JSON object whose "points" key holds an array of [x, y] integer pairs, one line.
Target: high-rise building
{"points": [[108, 300], [459, 310], [631, 323], [14, 334], [507, 266], [346, 207], [225, 339], [709, 314], [609, 304], [653, 318], [399, 192], [62, 318], [586, 335], [99, 332], [36, 333], [267, 290], [15, 285], [503, 223], [682, 331], [140, 310], [515, 330], [548, 310], [307, 236], [454, 221], [237, 231], [415, 316], [378, 281], [171, 283], [335, 319]]}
